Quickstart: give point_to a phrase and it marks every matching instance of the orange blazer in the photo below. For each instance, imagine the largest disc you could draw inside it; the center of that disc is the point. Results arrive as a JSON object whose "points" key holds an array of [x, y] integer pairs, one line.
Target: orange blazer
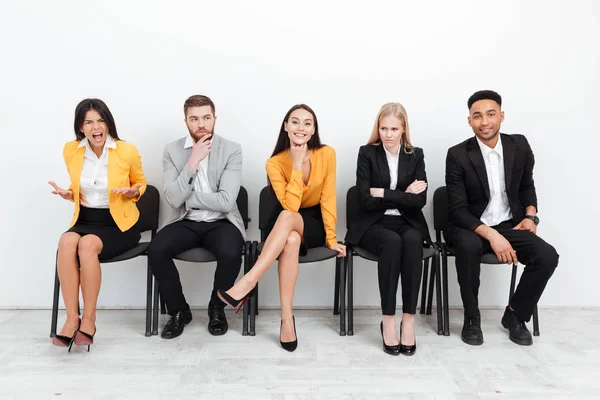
{"points": [[124, 170]]}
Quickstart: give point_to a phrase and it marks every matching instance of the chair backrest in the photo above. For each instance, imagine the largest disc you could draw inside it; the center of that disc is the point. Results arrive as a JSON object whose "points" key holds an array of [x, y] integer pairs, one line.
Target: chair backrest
{"points": [[440, 211], [352, 205], [242, 203], [266, 204], [148, 206]]}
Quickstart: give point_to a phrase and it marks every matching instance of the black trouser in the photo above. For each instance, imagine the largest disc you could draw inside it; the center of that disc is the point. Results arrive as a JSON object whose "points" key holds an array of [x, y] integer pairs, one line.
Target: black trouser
{"points": [[221, 238], [539, 257], [400, 250]]}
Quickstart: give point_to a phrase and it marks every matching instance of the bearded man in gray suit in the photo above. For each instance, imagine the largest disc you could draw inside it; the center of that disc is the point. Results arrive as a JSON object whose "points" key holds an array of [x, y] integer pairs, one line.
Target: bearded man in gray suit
{"points": [[202, 174]]}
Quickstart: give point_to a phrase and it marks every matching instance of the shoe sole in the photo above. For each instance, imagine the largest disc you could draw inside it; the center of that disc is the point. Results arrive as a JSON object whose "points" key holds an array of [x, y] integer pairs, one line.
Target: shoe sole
{"points": [[472, 342], [185, 323], [515, 340]]}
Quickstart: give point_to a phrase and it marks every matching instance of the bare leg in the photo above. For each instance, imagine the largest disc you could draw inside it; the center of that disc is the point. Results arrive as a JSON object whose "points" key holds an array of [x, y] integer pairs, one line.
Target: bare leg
{"points": [[288, 274], [390, 333], [68, 275], [408, 329], [287, 222], [90, 247]]}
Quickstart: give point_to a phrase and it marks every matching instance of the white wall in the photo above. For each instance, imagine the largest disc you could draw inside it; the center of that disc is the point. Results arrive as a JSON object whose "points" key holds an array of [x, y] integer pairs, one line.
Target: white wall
{"points": [[256, 59]]}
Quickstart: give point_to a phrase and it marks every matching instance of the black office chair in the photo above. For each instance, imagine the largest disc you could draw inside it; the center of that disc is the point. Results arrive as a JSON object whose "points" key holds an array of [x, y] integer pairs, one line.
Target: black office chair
{"points": [[202, 255], [267, 203], [148, 206], [352, 207], [440, 217]]}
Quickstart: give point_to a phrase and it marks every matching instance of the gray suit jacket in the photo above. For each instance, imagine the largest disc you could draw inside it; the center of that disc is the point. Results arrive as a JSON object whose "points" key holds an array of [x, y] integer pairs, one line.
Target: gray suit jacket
{"points": [[224, 175]]}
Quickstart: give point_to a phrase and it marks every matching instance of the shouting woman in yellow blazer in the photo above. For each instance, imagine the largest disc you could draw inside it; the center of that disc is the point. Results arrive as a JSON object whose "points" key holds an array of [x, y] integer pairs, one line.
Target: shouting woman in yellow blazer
{"points": [[106, 181]]}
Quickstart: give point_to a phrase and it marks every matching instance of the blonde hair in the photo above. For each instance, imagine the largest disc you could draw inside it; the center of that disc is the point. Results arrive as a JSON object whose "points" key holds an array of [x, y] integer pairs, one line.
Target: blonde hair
{"points": [[398, 111]]}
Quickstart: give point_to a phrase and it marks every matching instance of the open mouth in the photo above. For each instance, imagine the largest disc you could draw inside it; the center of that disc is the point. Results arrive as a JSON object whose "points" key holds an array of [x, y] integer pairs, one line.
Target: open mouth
{"points": [[97, 136], [300, 135]]}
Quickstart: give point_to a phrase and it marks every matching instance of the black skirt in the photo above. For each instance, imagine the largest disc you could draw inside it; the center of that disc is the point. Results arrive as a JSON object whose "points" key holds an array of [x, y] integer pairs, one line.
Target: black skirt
{"points": [[99, 222], [314, 230]]}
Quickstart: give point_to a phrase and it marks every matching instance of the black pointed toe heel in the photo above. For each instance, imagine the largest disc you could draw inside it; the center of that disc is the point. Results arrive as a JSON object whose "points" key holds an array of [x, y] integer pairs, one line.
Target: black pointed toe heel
{"points": [[289, 346], [237, 304], [65, 341], [85, 339]]}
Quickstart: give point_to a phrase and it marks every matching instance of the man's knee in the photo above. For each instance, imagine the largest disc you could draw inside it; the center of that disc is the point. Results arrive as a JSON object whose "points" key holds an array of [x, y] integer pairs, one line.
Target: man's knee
{"points": [[467, 243], [412, 237]]}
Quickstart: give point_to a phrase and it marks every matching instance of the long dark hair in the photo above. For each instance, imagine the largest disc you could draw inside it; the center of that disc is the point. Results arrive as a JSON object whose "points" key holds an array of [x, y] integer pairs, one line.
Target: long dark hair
{"points": [[283, 141], [100, 107]]}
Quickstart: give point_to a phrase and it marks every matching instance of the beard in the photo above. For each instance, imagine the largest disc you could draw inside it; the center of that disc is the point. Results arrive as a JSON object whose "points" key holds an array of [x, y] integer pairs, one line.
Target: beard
{"points": [[197, 135]]}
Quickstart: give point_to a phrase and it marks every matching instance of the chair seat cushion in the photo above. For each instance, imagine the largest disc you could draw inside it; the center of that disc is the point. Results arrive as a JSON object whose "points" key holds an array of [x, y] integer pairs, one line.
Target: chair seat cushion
{"points": [[197, 254], [313, 255], [138, 250], [428, 252]]}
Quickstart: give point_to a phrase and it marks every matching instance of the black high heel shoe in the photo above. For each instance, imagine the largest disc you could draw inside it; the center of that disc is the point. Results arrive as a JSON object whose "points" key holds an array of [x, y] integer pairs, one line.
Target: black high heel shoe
{"points": [[237, 304], [85, 339], [407, 350], [289, 346], [393, 350], [65, 341]]}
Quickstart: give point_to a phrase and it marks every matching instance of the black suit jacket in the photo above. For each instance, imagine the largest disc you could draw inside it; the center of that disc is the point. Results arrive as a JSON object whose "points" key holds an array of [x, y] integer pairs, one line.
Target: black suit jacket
{"points": [[373, 171], [467, 184]]}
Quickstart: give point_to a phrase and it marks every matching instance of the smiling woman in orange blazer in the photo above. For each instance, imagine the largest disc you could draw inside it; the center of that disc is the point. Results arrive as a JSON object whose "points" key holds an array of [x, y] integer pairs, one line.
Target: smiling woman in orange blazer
{"points": [[106, 181]]}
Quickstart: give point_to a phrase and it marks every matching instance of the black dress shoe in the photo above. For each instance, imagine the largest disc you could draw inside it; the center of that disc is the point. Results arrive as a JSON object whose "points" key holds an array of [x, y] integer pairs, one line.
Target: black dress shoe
{"points": [[471, 331], [217, 325], [392, 350], [519, 333], [407, 350], [174, 327]]}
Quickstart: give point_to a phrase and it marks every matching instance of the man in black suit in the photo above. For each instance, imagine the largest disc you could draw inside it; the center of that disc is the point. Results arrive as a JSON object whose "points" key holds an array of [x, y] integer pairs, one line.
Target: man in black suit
{"points": [[492, 206]]}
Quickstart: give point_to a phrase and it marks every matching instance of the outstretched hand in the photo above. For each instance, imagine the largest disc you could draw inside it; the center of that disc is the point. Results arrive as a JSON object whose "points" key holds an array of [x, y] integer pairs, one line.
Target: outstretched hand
{"points": [[128, 192], [65, 194]]}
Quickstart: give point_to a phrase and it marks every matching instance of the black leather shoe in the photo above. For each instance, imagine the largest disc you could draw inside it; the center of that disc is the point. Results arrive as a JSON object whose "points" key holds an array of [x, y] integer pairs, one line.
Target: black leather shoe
{"points": [[392, 350], [174, 327], [471, 331], [407, 350], [519, 333], [217, 325]]}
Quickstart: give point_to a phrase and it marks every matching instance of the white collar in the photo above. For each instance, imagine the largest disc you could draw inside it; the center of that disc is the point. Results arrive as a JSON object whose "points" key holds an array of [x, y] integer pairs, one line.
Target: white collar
{"points": [[109, 143], [390, 155], [189, 142], [486, 150]]}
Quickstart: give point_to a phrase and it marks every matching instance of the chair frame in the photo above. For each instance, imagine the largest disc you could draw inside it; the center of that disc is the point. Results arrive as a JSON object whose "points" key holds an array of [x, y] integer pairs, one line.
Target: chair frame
{"points": [[440, 202], [149, 215], [267, 202]]}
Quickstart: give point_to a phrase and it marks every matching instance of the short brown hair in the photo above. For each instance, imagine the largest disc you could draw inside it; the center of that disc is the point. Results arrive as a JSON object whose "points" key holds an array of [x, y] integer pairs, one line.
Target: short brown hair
{"points": [[198, 100]]}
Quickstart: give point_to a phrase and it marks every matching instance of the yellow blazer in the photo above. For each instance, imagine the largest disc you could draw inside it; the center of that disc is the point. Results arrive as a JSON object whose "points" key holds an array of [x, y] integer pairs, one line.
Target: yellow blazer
{"points": [[124, 170]]}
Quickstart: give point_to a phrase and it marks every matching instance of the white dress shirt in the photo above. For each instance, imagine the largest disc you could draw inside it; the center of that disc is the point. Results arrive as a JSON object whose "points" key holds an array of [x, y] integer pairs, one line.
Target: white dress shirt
{"points": [[201, 184], [93, 183], [392, 161], [497, 209]]}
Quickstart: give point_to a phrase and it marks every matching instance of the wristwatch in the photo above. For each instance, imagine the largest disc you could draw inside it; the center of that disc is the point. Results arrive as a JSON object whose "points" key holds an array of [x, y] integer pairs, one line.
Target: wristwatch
{"points": [[534, 218]]}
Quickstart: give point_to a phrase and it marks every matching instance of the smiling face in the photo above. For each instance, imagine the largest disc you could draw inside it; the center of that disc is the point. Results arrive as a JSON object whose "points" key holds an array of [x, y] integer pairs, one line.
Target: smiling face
{"points": [[391, 129], [95, 129], [300, 127], [485, 118], [200, 121]]}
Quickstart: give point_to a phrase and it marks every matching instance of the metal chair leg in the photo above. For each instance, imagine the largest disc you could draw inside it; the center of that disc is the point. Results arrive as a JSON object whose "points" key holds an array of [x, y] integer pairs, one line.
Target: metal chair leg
{"points": [[430, 294], [536, 324], [253, 300], [424, 287], [336, 293], [444, 259], [155, 309], [350, 291], [149, 280], [438, 294], [341, 265], [246, 306], [55, 296], [513, 280]]}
